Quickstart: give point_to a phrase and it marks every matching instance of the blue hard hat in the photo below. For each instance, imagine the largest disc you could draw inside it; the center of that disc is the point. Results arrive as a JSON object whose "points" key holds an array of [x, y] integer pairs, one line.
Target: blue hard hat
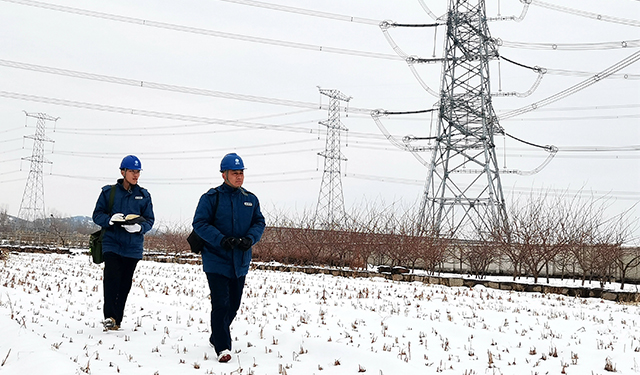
{"points": [[231, 162], [131, 162]]}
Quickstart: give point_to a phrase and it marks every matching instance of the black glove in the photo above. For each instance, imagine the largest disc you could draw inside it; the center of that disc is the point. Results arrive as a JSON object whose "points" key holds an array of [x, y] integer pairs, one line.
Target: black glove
{"points": [[245, 243], [228, 243]]}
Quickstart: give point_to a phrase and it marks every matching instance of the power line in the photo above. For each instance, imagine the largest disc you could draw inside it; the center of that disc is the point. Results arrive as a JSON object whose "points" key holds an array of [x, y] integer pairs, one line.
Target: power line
{"points": [[12, 129], [11, 140], [571, 46], [582, 13], [9, 172], [195, 30], [208, 150], [166, 87], [552, 46], [599, 148], [577, 73], [157, 127], [194, 180], [210, 93], [90, 132], [622, 195], [576, 118], [14, 180], [575, 88], [194, 157], [587, 108], [305, 12], [155, 114], [562, 151]]}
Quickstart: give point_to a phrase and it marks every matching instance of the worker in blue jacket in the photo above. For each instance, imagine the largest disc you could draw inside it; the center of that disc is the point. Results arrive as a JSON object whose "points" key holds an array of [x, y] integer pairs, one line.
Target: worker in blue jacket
{"points": [[122, 243], [229, 220]]}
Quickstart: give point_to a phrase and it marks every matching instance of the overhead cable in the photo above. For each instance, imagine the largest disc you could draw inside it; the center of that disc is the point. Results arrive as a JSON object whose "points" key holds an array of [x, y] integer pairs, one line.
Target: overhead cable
{"points": [[573, 89], [549, 148], [166, 87], [534, 68], [383, 112], [172, 88], [163, 115], [410, 60], [12, 129], [375, 115], [305, 12], [582, 13], [131, 133], [395, 24], [577, 73], [187, 180], [570, 46], [541, 72], [576, 118], [590, 108], [430, 13], [168, 152], [631, 148], [14, 180], [207, 32], [519, 18], [155, 114], [11, 140], [311, 151]]}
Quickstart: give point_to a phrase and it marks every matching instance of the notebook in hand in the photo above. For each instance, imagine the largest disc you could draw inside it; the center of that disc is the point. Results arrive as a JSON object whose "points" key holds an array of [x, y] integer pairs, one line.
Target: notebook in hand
{"points": [[131, 219]]}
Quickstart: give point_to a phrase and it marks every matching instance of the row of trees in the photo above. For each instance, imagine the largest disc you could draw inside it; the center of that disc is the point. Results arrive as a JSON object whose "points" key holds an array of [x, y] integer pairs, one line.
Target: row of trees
{"points": [[541, 237]]}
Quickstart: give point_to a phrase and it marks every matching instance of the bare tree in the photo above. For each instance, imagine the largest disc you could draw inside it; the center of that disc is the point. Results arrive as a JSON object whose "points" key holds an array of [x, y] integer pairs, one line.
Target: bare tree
{"points": [[60, 230], [615, 253], [534, 234], [480, 252], [170, 239], [626, 259]]}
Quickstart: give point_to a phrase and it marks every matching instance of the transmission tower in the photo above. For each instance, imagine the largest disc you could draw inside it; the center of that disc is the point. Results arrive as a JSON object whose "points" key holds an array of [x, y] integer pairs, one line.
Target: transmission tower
{"points": [[463, 191], [32, 205], [330, 211]]}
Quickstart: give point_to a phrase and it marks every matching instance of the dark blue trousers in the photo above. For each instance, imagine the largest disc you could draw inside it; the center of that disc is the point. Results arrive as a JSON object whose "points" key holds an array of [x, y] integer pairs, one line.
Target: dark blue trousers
{"points": [[118, 276], [226, 294]]}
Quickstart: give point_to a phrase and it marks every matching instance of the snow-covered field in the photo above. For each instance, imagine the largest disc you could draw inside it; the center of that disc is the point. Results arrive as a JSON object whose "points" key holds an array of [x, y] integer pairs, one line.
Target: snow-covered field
{"points": [[293, 323]]}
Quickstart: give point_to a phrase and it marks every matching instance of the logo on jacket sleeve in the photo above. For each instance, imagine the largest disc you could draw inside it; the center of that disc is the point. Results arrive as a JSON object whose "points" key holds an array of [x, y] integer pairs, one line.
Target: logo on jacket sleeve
{"points": [[139, 197], [248, 204]]}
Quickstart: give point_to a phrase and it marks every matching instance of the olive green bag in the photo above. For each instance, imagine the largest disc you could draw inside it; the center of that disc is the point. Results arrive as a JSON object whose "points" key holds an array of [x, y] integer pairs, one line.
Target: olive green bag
{"points": [[95, 239]]}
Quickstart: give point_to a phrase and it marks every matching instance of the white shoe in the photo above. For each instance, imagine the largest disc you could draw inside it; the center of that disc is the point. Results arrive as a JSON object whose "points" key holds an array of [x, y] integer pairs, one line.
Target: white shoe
{"points": [[224, 356], [110, 324]]}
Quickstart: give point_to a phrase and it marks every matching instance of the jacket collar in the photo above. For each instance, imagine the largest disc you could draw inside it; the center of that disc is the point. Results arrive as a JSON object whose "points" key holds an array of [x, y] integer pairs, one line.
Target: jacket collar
{"points": [[131, 188], [229, 189]]}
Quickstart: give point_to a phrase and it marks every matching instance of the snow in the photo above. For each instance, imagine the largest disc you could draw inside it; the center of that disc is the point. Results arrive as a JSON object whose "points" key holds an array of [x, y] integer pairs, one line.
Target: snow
{"points": [[295, 323]]}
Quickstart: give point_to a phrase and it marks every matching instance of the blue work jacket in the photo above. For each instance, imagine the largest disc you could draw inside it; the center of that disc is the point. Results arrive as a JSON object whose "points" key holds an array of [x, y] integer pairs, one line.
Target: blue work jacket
{"points": [[136, 200], [227, 211]]}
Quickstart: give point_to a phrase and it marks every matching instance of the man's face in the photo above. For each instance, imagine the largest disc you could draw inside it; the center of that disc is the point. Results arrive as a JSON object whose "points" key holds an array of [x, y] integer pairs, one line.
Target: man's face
{"points": [[131, 176], [233, 178]]}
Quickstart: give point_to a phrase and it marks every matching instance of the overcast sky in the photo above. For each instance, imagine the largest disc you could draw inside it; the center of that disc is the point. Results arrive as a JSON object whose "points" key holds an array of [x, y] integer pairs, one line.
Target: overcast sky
{"points": [[274, 61]]}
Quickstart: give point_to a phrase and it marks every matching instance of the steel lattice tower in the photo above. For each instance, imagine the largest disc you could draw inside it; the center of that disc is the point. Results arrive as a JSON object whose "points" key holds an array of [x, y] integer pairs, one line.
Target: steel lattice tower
{"points": [[32, 205], [330, 211], [463, 191]]}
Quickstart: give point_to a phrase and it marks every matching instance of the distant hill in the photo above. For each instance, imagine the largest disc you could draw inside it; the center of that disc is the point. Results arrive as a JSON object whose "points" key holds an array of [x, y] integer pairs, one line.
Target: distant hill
{"points": [[82, 224]]}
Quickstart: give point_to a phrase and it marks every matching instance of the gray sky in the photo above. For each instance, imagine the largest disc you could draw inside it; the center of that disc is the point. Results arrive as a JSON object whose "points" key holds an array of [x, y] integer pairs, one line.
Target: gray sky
{"points": [[269, 58]]}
